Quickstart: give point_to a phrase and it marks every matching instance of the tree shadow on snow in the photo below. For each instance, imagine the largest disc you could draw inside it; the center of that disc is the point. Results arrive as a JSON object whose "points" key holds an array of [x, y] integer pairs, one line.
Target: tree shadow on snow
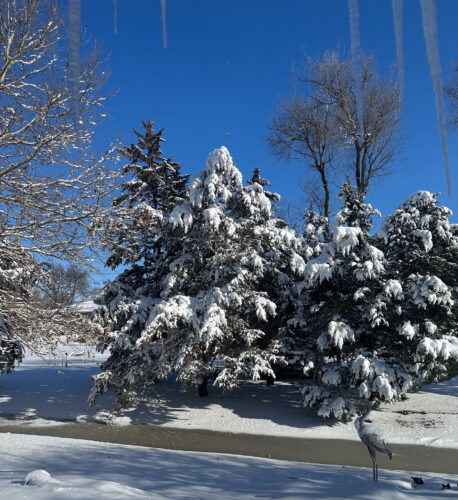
{"points": [[447, 388], [279, 404], [47, 393], [168, 474]]}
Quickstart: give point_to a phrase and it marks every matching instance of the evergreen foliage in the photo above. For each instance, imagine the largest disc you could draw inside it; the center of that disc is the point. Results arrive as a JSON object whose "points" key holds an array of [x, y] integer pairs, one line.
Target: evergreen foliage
{"points": [[156, 186], [216, 287], [133, 234], [421, 246], [15, 270], [376, 315], [208, 316]]}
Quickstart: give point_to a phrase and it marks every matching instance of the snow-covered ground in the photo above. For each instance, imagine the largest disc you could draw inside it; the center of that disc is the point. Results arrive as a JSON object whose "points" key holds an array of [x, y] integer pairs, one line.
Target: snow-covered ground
{"points": [[38, 395], [84, 470]]}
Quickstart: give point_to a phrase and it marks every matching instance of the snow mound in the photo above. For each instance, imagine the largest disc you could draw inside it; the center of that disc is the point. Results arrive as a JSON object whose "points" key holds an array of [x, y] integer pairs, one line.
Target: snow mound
{"points": [[80, 488], [38, 477]]}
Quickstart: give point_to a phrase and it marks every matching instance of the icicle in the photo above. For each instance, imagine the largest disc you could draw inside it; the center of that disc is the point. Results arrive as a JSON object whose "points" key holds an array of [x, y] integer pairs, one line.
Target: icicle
{"points": [[115, 16], [397, 21], [164, 25], [356, 60], [428, 10], [74, 23]]}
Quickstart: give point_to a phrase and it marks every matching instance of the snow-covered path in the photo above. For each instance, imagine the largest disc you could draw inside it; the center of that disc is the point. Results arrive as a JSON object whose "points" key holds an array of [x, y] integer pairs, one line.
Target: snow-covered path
{"points": [[86, 470]]}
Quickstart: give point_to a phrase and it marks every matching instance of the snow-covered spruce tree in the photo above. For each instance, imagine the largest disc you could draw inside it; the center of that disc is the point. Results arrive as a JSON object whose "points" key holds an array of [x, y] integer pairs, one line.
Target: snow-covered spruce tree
{"points": [[330, 306], [389, 321], [134, 236], [294, 309], [155, 184], [279, 254], [421, 307], [212, 303]]}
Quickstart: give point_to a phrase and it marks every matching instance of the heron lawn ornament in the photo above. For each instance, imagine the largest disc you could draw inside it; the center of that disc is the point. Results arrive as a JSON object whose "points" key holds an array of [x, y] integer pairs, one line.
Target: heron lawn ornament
{"points": [[372, 437]]}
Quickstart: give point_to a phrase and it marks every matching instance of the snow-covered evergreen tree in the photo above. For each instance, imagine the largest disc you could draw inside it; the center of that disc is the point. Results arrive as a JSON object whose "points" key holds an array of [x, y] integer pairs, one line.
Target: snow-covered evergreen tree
{"points": [[223, 253], [315, 231], [329, 310], [134, 235], [421, 310], [155, 186], [373, 317], [280, 253]]}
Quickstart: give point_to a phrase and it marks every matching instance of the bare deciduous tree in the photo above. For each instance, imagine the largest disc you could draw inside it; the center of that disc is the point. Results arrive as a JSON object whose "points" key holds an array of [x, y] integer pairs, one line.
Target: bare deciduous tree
{"points": [[374, 144], [65, 285], [52, 184], [303, 130], [322, 128]]}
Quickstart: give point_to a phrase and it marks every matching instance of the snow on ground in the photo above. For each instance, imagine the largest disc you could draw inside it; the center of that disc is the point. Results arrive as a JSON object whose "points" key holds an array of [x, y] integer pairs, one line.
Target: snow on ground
{"points": [[84, 470], [38, 395]]}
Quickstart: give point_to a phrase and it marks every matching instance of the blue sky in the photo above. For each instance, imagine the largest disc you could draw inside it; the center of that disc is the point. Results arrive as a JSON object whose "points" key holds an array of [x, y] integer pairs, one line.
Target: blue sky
{"points": [[228, 62]]}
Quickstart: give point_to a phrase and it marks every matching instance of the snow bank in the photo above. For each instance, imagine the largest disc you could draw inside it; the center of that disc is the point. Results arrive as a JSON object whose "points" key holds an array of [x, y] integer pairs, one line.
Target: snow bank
{"points": [[82, 470]]}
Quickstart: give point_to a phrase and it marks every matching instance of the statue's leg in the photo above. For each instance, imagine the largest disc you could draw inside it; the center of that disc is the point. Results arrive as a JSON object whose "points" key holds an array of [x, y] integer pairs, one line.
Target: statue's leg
{"points": [[374, 464]]}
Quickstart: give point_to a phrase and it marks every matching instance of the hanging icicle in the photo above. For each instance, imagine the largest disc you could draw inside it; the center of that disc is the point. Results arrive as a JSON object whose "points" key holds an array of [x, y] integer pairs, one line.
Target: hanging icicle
{"points": [[428, 10], [164, 24], [398, 21], [356, 61], [115, 17], [74, 23]]}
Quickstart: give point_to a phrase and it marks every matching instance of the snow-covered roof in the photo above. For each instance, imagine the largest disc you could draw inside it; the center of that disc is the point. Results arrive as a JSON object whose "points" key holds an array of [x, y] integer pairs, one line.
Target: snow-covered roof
{"points": [[85, 307]]}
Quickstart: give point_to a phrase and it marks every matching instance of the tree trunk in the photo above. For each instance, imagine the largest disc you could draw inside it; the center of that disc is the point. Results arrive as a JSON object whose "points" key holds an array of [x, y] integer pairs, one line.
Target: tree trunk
{"points": [[270, 381], [358, 167], [324, 182], [364, 173], [202, 388], [318, 368]]}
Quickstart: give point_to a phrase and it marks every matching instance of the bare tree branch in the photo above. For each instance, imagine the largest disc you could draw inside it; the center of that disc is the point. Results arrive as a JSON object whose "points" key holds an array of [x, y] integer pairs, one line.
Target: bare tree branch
{"points": [[320, 126], [53, 184], [451, 91]]}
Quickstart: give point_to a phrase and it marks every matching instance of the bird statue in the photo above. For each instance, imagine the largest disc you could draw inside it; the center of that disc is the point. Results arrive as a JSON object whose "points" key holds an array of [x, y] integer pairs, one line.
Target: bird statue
{"points": [[372, 437]]}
